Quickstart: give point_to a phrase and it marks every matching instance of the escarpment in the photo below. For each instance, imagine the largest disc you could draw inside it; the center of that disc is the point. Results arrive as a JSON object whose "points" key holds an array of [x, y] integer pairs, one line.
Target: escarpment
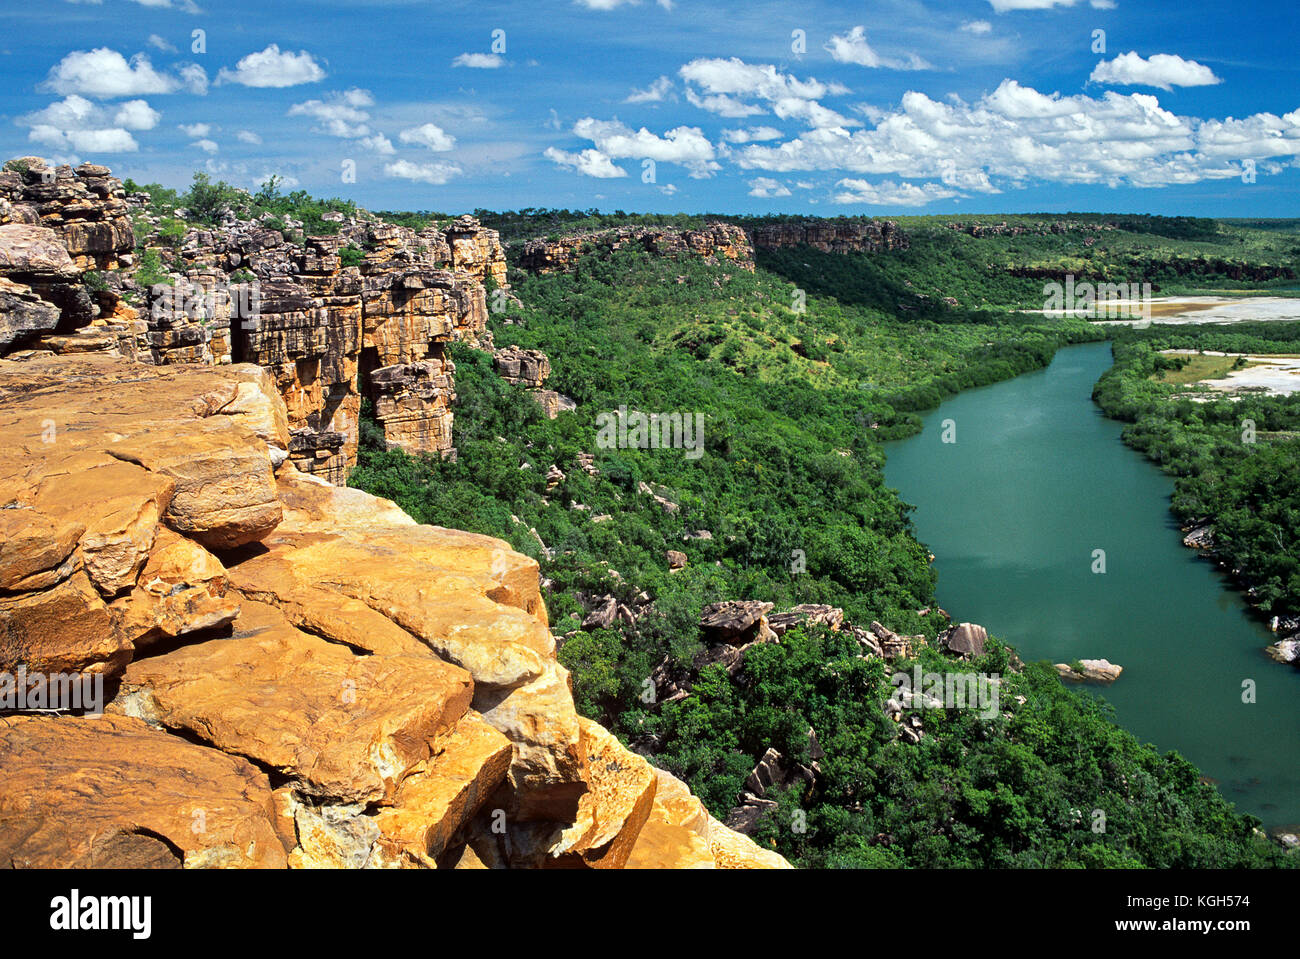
{"points": [[715, 243], [295, 673], [364, 313], [831, 236]]}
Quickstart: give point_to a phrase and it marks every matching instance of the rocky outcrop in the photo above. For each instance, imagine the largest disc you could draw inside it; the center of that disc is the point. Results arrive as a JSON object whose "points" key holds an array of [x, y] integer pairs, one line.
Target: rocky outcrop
{"points": [[1089, 671], [714, 243], [256, 291], [832, 236], [86, 207], [298, 673]]}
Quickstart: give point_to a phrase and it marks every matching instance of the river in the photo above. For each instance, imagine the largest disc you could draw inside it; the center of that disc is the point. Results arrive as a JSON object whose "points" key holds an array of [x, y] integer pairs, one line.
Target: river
{"points": [[1036, 481]]}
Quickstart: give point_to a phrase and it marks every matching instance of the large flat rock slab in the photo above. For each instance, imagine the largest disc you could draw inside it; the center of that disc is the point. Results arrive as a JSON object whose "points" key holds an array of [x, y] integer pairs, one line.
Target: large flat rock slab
{"points": [[346, 728], [111, 792]]}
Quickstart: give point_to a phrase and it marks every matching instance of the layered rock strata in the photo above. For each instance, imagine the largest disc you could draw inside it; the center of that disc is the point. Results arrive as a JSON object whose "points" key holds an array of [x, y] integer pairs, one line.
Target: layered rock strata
{"points": [[715, 243], [297, 674]]}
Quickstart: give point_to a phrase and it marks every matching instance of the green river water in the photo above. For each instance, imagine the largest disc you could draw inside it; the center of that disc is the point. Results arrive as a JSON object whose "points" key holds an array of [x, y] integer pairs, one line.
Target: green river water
{"points": [[1038, 479]]}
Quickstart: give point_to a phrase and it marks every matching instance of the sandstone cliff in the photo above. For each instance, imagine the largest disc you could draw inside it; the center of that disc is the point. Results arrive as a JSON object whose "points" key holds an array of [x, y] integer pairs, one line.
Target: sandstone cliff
{"points": [[832, 236], [716, 242], [299, 674], [328, 332]]}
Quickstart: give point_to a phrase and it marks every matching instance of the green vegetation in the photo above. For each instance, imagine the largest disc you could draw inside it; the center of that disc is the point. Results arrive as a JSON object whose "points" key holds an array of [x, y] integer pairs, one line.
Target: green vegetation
{"points": [[207, 201], [1236, 461], [796, 399]]}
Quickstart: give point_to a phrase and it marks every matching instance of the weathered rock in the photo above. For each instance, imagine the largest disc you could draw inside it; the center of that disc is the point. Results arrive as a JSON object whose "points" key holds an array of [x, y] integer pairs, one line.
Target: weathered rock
{"points": [[438, 798], [736, 620], [848, 236], [346, 727], [1093, 671], [806, 614], [715, 243], [112, 793], [968, 639]]}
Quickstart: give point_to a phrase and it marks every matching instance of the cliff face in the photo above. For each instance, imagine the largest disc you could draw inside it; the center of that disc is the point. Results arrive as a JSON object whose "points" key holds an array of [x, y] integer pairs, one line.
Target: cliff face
{"points": [[328, 334], [874, 236], [297, 674], [717, 242]]}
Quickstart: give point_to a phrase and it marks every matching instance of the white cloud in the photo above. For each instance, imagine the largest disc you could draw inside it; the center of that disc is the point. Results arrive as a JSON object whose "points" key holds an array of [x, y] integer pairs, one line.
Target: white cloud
{"points": [[1163, 70], [435, 173], [114, 140], [194, 78], [726, 85], [429, 135], [189, 6], [685, 145], [207, 146], [751, 135], [378, 144], [853, 48], [1016, 134], [1005, 6], [977, 27], [890, 193], [589, 162], [106, 74], [195, 131], [481, 61], [79, 124], [655, 93], [765, 188], [248, 136], [341, 113], [273, 68], [158, 43]]}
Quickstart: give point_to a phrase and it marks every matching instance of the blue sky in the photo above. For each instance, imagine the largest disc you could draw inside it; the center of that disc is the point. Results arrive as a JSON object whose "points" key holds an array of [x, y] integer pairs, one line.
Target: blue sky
{"points": [[676, 105]]}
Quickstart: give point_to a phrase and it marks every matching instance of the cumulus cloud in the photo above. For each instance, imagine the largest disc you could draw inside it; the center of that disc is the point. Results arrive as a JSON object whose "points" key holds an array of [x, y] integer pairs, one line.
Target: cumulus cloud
{"points": [[341, 113], [194, 78], [890, 193], [207, 146], [481, 61], [658, 91], [435, 173], [591, 163], [1163, 70], [751, 135], [685, 145], [724, 87], [195, 131], [1017, 134], [429, 135], [766, 188], [106, 74], [1005, 6], [378, 144], [248, 136], [273, 68], [158, 43], [853, 48], [977, 27], [76, 123]]}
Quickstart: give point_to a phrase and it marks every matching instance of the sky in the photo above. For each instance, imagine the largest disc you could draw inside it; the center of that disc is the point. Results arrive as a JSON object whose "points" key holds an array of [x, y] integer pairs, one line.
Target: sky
{"points": [[819, 108]]}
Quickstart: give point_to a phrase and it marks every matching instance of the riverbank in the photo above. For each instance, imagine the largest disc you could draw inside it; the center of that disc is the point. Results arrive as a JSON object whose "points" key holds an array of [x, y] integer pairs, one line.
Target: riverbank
{"points": [[1016, 509]]}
